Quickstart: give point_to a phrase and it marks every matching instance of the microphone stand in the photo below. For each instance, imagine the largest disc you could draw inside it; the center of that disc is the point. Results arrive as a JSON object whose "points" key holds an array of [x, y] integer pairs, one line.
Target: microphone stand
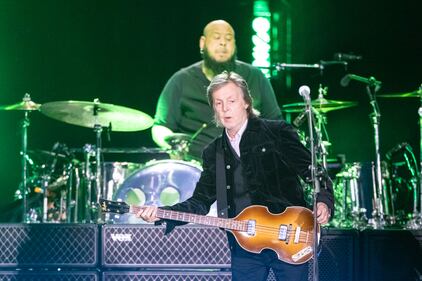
{"points": [[378, 213], [315, 184], [419, 219]]}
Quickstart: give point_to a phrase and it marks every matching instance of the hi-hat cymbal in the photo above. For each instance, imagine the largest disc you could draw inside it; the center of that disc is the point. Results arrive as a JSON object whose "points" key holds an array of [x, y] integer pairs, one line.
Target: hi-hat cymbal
{"points": [[81, 113], [23, 105], [414, 94], [320, 104]]}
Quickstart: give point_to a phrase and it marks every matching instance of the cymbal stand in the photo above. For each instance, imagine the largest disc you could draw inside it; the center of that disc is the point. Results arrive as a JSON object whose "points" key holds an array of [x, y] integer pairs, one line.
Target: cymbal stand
{"points": [[419, 221], [88, 152], [416, 222], [98, 159], [378, 213], [24, 158], [321, 130]]}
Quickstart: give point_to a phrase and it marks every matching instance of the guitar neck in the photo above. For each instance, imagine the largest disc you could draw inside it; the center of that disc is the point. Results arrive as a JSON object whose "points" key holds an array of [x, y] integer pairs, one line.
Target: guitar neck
{"points": [[230, 224]]}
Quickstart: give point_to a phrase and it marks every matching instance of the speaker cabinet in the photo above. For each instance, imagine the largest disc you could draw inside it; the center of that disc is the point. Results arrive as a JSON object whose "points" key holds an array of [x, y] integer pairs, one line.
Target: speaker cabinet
{"points": [[146, 246], [391, 255], [48, 245], [167, 275], [338, 255], [48, 276]]}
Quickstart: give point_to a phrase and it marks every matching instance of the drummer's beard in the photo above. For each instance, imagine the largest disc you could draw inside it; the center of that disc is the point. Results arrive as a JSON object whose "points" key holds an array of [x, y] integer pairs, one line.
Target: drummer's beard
{"points": [[218, 67]]}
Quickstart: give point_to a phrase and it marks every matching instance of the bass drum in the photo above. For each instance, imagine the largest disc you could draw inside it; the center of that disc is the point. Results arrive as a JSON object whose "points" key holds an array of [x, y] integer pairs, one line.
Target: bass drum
{"points": [[160, 183]]}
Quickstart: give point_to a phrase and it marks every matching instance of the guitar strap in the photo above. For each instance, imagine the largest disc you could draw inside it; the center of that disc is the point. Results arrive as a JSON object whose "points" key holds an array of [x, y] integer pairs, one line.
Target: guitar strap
{"points": [[220, 180]]}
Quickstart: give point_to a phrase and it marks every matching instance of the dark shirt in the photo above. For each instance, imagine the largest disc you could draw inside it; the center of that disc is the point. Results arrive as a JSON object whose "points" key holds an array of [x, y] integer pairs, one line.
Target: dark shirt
{"points": [[183, 105]]}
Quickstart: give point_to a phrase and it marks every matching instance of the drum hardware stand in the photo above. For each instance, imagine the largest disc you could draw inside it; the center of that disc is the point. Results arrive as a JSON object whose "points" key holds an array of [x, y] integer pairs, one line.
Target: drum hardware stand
{"points": [[72, 206], [45, 181], [372, 86], [378, 214], [420, 162], [416, 221], [321, 130], [24, 158], [98, 161], [89, 151]]}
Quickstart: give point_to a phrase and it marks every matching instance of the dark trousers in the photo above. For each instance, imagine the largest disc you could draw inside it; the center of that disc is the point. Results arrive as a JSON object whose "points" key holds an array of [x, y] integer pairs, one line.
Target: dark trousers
{"points": [[250, 266]]}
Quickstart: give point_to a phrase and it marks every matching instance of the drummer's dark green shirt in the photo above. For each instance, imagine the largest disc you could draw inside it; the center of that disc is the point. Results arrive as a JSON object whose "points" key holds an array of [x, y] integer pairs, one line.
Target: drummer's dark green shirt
{"points": [[183, 105]]}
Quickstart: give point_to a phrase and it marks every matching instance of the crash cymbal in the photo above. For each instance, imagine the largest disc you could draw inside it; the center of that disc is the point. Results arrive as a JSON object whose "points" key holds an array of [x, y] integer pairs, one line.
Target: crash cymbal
{"points": [[414, 94], [23, 105], [177, 138], [81, 113], [321, 104]]}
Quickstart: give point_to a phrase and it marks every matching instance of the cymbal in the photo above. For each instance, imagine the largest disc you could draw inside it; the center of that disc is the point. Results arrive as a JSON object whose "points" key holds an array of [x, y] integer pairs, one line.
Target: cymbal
{"points": [[320, 104], [414, 94], [81, 113], [23, 105]]}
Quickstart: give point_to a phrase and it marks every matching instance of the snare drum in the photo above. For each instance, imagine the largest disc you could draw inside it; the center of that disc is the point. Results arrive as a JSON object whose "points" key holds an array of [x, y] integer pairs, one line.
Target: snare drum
{"points": [[160, 183]]}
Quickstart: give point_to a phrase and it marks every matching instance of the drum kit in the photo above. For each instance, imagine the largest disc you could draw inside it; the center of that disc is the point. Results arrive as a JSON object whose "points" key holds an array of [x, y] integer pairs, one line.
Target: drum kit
{"points": [[65, 184], [360, 201]]}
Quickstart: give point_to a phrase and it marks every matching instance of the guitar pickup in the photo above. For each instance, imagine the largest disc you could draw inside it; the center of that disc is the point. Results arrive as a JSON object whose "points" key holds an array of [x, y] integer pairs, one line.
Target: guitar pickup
{"points": [[282, 232], [297, 235]]}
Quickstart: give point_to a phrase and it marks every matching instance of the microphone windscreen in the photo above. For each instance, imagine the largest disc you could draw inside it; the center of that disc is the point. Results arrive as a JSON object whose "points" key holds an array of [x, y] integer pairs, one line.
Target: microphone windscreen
{"points": [[304, 91]]}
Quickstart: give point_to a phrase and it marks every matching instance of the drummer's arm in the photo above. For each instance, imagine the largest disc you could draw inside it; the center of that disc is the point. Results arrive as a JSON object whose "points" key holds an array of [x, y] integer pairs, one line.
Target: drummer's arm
{"points": [[159, 132]]}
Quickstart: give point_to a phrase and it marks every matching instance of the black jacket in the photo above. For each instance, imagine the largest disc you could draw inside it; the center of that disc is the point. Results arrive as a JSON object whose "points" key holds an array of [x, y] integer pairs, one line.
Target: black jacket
{"points": [[272, 158]]}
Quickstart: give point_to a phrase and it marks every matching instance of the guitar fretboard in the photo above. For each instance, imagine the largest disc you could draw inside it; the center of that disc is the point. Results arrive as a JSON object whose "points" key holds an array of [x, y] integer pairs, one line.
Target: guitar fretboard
{"points": [[199, 219]]}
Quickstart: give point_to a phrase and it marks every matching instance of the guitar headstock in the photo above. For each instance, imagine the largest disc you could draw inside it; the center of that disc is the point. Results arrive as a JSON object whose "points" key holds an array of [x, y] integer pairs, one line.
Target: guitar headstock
{"points": [[118, 207]]}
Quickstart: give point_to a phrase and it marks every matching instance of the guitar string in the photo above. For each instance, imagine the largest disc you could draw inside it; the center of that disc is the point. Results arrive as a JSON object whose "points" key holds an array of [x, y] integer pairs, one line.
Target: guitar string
{"points": [[233, 224], [222, 223], [241, 225], [217, 221]]}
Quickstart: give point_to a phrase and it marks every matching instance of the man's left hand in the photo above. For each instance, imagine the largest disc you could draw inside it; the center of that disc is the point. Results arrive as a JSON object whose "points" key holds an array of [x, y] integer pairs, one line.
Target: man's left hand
{"points": [[323, 213]]}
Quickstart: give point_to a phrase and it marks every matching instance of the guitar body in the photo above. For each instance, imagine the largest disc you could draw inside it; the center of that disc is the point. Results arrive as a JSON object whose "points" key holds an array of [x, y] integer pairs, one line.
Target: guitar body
{"points": [[267, 235]]}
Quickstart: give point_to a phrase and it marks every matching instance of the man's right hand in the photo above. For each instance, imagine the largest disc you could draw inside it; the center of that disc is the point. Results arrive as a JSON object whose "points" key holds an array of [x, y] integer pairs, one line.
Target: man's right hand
{"points": [[159, 133], [148, 213]]}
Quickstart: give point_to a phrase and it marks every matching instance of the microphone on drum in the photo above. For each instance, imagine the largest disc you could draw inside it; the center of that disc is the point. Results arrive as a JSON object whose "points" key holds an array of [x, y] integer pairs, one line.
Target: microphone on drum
{"points": [[370, 81], [299, 119]]}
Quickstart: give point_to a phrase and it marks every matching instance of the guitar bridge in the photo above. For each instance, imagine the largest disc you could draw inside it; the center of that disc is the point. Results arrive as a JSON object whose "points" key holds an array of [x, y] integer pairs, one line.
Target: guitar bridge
{"points": [[251, 228]]}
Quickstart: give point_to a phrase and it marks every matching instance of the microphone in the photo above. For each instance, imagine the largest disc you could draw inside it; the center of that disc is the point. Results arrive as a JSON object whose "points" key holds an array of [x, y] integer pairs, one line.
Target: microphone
{"points": [[345, 80], [370, 81], [342, 57], [304, 91], [299, 119]]}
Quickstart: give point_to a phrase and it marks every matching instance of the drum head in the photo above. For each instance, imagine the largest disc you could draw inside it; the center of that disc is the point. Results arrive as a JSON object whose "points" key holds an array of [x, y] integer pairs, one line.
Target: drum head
{"points": [[160, 183]]}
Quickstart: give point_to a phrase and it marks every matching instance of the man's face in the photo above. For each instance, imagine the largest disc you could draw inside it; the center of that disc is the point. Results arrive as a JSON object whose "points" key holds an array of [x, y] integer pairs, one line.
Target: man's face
{"points": [[219, 42], [230, 107]]}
